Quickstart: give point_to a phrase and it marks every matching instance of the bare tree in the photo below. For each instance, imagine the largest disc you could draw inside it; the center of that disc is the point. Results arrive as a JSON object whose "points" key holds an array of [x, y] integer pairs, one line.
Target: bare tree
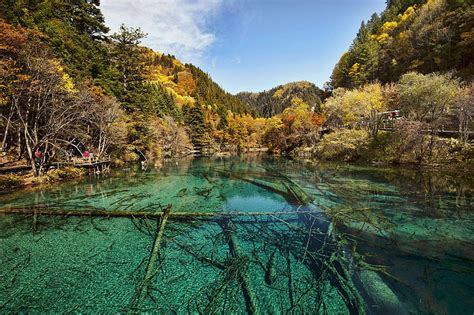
{"points": [[42, 106], [45, 104], [103, 118], [464, 109]]}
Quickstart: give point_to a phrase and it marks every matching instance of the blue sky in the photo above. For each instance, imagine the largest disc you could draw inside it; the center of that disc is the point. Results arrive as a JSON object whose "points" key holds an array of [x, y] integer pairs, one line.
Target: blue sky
{"points": [[248, 45]]}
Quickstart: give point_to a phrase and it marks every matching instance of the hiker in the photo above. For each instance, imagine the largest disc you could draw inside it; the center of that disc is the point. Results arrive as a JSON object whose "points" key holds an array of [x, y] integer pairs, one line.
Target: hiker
{"points": [[38, 156]]}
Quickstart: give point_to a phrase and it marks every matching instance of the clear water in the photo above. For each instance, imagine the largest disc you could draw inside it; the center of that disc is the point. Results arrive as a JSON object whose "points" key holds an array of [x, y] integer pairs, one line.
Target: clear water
{"points": [[376, 241]]}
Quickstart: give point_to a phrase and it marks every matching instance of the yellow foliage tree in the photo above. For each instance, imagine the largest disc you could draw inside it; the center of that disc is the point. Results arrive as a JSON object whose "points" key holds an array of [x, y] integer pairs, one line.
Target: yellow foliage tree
{"points": [[241, 131], [298, 125], [389, 26], [67, 82], [370, 99], [356, 107], [407, 15]]}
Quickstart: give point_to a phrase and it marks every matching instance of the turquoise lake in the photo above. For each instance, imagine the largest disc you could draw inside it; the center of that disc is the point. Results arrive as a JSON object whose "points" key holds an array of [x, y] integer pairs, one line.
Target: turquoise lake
{"points": [[288, 237]]}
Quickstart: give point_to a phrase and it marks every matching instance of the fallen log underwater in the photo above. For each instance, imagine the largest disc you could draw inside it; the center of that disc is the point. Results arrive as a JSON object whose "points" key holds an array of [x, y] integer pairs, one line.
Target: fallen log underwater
{"points": [[153, 258], [251, 300], [143, 214], [336, 268], [380, 295]]}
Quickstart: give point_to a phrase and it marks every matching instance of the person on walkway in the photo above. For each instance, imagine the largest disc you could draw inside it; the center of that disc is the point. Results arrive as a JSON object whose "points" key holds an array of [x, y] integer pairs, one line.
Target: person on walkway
{"points": [[38, 156]]}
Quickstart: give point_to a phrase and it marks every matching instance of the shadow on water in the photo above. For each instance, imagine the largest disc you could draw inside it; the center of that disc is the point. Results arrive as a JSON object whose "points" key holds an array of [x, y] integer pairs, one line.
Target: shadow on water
{"points": [[308, 238]]}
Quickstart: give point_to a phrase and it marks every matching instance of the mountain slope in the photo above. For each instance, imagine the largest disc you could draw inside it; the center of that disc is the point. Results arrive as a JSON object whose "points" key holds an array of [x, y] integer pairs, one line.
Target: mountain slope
{"points": [[274, 101], [156, 103], [77, 35], [188, 83], [411, 35]]}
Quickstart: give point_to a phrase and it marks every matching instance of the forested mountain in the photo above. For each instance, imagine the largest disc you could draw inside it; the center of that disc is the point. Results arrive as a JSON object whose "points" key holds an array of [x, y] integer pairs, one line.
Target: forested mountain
{"points": [[274, 101], [56, 53], [410, 35], [187, 84]]}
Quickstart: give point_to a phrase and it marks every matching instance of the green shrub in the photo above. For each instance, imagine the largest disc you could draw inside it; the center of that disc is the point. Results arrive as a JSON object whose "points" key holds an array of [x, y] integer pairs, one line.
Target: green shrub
{"points": [[409, 143], [451, 151], [8, 182], [64, 174]]}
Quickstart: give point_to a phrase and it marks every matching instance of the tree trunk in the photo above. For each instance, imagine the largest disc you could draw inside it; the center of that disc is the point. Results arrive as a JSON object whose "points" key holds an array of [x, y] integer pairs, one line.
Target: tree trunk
{"points": [[179, 215], [151, 266], [374, 124], [250, 294], [463, 126], [43, 161], [29, 150], [21, 147], [5, 135]]}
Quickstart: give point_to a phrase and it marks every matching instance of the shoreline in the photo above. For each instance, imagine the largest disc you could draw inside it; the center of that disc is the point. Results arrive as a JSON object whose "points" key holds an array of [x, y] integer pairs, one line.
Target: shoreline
{"points": [[17, 181]]}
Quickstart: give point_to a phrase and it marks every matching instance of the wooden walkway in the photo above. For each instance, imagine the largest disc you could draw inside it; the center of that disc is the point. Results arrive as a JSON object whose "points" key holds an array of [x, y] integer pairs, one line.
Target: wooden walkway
{"points": [[440, 132], [15, 168], [82, 162]]}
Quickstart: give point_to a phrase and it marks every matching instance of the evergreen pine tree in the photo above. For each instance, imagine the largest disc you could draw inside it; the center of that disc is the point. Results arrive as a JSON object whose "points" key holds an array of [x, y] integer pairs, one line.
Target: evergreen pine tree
{"points": [[194, 118]]}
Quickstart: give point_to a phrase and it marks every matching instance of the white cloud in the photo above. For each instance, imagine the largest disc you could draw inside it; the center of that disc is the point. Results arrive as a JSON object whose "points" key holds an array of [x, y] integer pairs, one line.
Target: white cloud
{"points": [[177, 27], [237, 60]]}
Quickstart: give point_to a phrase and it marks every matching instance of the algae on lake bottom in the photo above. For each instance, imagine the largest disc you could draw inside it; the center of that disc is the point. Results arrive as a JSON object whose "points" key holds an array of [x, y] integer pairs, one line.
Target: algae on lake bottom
{"points": [[303, 262]]}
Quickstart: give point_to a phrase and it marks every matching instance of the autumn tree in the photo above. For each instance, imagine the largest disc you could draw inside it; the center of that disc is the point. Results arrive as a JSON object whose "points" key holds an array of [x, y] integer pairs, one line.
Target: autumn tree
{"points": [[464, 110], [299, 126], [172, 138], [422, 36], [359, 107], [14, 40], [410, 138], [104, 120], [44, 107], [370, 99], [237, 133], [427, 98], [343, 108]]}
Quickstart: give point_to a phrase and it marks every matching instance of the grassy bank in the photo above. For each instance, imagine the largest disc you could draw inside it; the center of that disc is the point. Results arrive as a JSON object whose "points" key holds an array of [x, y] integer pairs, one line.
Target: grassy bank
{"points": [[12, 182]]}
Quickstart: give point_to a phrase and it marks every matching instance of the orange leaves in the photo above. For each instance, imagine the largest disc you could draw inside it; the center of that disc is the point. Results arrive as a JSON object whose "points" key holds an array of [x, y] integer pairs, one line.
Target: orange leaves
{"points": [[23, 77], [186, 83], [289, 119], [297, 126], [317, 119], [12, 41], [300, 116], [244, 131], [12, 38], [26, 64]]}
